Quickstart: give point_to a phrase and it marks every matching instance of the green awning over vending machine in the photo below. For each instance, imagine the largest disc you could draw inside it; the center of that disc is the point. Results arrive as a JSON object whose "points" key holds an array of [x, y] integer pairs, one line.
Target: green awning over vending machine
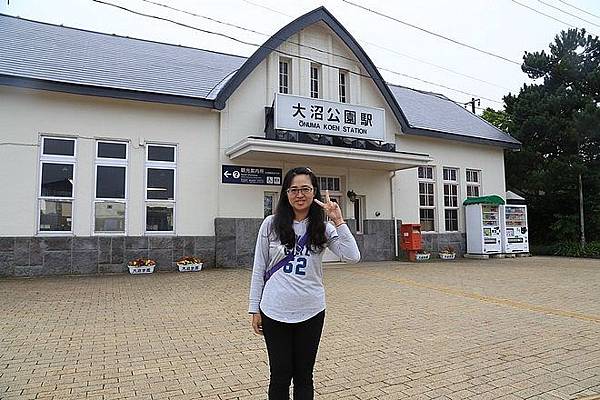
{"points": [[492, 199]]}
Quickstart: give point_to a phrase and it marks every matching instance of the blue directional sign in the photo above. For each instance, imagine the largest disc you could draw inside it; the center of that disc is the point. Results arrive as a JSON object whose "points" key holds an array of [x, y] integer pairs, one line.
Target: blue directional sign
{"points": [[251, 175]]}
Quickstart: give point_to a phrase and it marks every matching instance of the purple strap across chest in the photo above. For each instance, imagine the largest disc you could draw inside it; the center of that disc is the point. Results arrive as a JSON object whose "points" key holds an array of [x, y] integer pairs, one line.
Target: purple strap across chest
{"points": [[287, 258]]}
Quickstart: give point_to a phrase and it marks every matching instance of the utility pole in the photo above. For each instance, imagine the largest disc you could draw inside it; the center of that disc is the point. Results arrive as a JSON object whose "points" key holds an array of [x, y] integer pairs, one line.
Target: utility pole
{"points": [[472, 103]]}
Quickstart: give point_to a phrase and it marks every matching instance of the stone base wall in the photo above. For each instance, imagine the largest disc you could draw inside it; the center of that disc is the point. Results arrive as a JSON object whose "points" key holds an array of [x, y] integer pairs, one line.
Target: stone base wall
{"points": [[33, 256], [376, 242], [232, 246], [236, 240], [435, 242]]}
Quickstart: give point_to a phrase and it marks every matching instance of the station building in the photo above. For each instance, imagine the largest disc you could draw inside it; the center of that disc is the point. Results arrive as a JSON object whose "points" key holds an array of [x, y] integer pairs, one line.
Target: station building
{"points": [[113, 148]]}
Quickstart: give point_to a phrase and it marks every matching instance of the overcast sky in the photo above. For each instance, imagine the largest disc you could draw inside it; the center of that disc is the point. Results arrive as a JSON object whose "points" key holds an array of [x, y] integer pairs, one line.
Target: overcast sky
{"points": [[502, 27]]}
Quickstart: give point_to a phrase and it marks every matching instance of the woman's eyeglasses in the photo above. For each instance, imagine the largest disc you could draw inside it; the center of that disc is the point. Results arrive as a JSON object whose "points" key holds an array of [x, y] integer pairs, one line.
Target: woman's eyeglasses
{"points": [[296, 191]]}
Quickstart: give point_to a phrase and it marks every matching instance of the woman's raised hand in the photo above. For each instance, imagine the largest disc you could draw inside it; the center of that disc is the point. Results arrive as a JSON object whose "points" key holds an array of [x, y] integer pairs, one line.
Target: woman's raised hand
{"points": [[332, 209]]}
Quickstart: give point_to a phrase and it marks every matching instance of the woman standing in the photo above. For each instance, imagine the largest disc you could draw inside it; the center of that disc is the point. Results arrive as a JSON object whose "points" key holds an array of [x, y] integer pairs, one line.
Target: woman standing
{"points": [[287, 297]]}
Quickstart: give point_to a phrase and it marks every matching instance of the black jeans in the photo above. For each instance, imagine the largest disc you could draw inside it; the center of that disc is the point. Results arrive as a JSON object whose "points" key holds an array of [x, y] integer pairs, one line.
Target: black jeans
{"points": [[292, 352]]}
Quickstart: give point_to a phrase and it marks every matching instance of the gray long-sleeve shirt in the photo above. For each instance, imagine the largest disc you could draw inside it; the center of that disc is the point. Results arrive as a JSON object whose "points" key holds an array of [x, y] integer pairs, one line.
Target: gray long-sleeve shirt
{"points": [[295, 292]]}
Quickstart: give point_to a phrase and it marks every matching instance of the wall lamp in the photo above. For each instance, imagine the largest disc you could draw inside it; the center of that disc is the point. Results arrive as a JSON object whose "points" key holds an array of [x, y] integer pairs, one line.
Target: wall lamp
{"points": [[351, 195]]}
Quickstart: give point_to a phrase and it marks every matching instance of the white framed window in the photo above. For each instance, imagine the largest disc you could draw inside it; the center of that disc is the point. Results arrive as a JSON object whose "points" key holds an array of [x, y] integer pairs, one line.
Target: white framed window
{"points": [[161, 178], [270, 200], [285, 65], [331, 183], [473, 183], [451, 199], [110, 195], [426, 182], [343, 87], [57, 184], [315, 81]]}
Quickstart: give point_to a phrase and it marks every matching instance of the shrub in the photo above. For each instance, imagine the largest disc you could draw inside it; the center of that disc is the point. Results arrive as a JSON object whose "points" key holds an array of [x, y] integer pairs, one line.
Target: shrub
{"points": [[574, 249]]}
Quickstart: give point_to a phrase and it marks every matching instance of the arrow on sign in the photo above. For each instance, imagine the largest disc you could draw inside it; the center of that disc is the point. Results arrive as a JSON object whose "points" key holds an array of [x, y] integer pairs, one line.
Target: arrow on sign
{"points": [[226, 173]]}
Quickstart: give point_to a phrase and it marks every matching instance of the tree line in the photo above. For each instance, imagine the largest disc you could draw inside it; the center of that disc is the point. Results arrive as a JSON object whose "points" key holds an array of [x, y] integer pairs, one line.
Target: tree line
{"points": [[557, 120]]}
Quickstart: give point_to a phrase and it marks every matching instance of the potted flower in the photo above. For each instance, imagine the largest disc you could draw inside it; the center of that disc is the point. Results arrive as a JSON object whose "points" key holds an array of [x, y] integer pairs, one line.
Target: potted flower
{"points": [[422, 255], [189, 263], [141, 265], [447, 253]]}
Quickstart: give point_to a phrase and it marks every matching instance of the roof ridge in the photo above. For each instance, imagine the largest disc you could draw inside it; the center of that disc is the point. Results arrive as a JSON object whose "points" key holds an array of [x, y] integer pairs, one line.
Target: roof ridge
{"points": [[420, 91], [119, 36]]}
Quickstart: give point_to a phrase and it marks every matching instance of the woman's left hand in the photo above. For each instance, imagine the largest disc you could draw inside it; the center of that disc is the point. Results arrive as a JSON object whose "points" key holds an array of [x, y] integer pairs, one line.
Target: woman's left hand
{"points": [[332, 209]]}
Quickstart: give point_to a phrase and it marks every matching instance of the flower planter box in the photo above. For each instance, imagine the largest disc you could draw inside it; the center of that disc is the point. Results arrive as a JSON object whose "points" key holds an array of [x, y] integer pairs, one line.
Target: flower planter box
{"points": [[141, 269], [447, 256], [189, 267], [423, 257]]}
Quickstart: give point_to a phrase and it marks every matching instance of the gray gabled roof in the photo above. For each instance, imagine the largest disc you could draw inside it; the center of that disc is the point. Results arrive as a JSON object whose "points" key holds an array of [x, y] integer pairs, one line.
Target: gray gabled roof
{"points": [[50, 57], [46, 52], [431, 114]]}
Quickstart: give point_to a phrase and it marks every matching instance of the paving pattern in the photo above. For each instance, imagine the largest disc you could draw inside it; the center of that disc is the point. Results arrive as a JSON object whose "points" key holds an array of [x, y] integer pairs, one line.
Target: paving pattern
{"points": [[525, 328]]}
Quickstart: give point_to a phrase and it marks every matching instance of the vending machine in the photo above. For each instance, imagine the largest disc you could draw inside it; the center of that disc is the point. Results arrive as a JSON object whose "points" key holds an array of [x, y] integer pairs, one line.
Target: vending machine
{"points": [[515, 238], [483, 228]]}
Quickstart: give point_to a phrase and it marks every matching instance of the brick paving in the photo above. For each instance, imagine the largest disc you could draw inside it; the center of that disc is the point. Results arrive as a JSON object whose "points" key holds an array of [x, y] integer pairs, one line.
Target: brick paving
{"points": [[498, 329]]}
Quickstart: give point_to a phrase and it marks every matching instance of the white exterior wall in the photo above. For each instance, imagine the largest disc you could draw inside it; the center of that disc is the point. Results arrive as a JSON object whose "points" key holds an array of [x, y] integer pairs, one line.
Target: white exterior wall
{"points": [[244, 116], [25, 114], [204, 135], [446, 153]]}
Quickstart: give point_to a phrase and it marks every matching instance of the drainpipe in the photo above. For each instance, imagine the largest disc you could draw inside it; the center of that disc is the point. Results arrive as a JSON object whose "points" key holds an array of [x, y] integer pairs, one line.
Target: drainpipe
{"points": [[393, 197]]}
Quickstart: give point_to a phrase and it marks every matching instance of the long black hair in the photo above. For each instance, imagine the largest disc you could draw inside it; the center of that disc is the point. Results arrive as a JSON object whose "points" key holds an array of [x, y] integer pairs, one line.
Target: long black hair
{"points": [[283, 220]]}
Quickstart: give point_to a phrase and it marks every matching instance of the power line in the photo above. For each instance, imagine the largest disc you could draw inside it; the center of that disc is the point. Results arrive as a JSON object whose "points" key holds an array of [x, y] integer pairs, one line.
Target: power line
{"points": [[434, 65], [577, 8], [225, 36], [542, 13], [315, 48], [203, 16], [267, 8], [433, 33], [568, 13], [447, 38], [462, 104], [175, 22], [246, 29], [328, 52], [394, 52], [437, 84], [276, 50]]}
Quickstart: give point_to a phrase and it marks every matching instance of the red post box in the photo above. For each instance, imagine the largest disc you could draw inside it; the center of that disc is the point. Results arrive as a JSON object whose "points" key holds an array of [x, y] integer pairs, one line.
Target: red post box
{"points": [[410, 239]]}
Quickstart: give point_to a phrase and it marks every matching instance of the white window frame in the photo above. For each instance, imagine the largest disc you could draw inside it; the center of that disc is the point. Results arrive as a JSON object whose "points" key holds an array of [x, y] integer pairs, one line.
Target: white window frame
{"points": [[451, 180], [171, 165], [326, 179], [343, 87], [111, 162], [428, 179], [56, 159], [473, 183], [317, 79], [287, 88]]}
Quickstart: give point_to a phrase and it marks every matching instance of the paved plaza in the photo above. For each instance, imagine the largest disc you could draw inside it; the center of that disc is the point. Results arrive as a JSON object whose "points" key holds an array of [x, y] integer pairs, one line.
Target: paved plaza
{"points": [[524, 328]]}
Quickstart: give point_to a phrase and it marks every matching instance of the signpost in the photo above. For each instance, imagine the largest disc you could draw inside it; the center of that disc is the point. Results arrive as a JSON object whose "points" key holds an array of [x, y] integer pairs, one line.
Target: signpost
{"points": [[305, 114], [241, 175]]}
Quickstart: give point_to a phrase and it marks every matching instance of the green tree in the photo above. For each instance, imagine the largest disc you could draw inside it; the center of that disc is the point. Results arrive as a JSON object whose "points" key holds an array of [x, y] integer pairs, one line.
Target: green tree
{"points": [[558, 122]]}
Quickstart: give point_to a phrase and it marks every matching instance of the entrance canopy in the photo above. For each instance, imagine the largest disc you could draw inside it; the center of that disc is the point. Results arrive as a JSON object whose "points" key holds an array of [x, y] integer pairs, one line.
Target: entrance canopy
{"points": [[259, 149]]}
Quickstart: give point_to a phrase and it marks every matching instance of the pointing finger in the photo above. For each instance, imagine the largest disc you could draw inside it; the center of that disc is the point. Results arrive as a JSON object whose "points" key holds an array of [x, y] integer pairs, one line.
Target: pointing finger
{"points": [[319, 203], [327, 199]]}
